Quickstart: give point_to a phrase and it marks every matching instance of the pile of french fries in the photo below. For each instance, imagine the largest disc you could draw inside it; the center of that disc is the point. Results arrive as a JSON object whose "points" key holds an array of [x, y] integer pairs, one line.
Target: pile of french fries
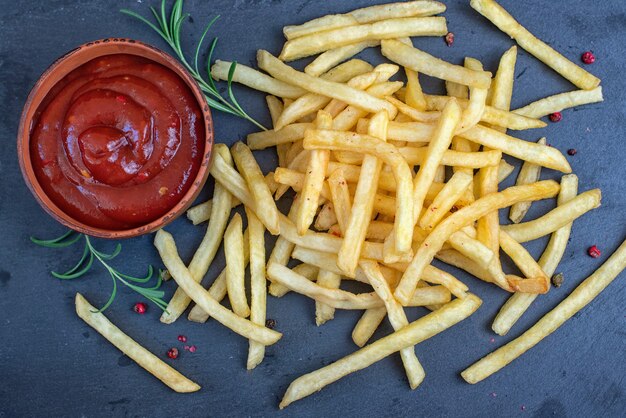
{"points": [[387, 179]]}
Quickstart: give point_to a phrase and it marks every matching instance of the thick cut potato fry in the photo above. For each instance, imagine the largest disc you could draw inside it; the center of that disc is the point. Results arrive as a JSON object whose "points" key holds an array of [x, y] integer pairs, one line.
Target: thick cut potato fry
{"points": [[414, 370], [235, 267], [560, 102], [367, 325], [258, 286], [248, 167], [465, 216], [256, 80], [332, 57], [416, 332], [167, 250], [449, 195], [440, 142], [507, 24], [313, 178], [151, 363], [323, 312], [556, 218], [346, 141], [287, 135], [527, 265], [425, 63], [574, 302], [312, 44], [535, 153], [204, 255], [218, 289], [529, 173], [363, 203], [517, 304], [320, 24], [327, 88]]}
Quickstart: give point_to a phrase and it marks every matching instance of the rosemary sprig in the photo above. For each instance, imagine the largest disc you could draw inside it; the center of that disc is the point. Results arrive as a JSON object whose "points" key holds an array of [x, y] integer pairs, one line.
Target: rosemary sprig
{"points": [[169, 29], [85, 263]]}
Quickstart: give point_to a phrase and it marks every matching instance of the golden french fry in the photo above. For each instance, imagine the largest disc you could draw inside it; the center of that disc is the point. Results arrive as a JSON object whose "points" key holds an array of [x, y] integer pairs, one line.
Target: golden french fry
{"points": [[413, 113], [167, 250], [275, 107], [288, 134], [507, 24], [529, 173], [341, 198], [471, 248], [345, 141], [456, 259], [436, 276], [326, 217], [449, 195], [414, 370], [323, 312], [315, 43], [470, 160], [416, 332], [538, 154], [363, 202], [367, 325], [351, 115], [332, 57], [235, 267], [465, 216], [527, 265], [501, 90], [306, 270], [320, 24], [205, 253], [556, 218], [457, 90], [574, 302], [488, 226], [425, 63], [327, 88], [202, 212], [248, 167], [396, 10], [560, 102], [255, 80], [504, 170], [518, 303], [414, 96], [314, 177], [281, 253], [151, 363], [258, 289], [475, 109]]}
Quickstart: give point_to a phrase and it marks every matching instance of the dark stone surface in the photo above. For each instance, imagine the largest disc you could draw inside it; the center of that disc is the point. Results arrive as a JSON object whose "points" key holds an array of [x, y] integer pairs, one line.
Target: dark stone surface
{"points": [[52, 364]]}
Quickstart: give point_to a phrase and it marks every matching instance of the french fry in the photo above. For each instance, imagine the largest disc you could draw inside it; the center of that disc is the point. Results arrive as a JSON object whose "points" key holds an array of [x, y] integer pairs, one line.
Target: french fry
{"points": [[473, 113], [414, 96], [536, 153], [414, 370], [281, 253], [323, 312], [306, 270], [442, 136], [556, 218], [363, 203], [288, 134], [167, 249], [436, 276], [218, 288], [332, 57], [419, 8], [344, 141], [340, 196], [456, 259], [465, 216], [320, 24], [255, 80], [351, 115], [539, 280], [518, 303], [258, 290], [529, 173], [326, 217], [560, 102], [247, 165], [416, 332], [449, 195], [312, 44], [507, 24], [235, 267], [471, 248], [501, 90], [202, 212], [457, 90], [470, 160], [151, 363], [573, 303], [205, 253], [413, 113], [504, 170], [422, 62], [367, 325], [327, 88]]}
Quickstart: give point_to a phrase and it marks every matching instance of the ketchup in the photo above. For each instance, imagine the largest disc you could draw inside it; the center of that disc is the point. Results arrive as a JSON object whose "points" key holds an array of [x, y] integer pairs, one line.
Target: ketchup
{"points": [[119, 142]]}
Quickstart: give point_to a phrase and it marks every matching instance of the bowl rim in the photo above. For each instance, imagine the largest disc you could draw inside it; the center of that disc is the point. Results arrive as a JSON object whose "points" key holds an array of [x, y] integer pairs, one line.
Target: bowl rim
{"points": [[134, 47]]}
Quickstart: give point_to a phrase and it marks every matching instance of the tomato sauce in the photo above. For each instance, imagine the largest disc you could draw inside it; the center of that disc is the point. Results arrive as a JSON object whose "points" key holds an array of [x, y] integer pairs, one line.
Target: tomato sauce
{"points": [[119, 142]]}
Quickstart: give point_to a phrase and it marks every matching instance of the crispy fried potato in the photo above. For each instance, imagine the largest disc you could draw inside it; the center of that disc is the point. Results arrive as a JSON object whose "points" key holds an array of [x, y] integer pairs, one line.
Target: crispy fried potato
{"points": [[559, 102], [529, 173]]}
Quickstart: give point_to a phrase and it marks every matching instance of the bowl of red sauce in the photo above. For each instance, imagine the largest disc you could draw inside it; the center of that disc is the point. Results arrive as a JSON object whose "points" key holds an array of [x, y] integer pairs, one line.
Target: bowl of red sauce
{"points": [[115, 139]]}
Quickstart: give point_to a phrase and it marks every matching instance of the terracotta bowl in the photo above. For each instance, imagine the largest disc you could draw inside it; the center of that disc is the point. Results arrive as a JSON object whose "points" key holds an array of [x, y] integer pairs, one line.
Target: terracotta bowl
{"points": [[59, 69]]}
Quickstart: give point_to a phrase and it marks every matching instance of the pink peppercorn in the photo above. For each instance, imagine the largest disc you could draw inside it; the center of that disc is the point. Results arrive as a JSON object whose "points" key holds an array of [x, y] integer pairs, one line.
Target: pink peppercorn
{"points": [[594, 252], [588, 57], [555, 117]]}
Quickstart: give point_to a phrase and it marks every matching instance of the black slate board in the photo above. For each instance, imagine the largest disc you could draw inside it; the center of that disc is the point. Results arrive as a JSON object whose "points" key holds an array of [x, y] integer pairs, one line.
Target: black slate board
{"points": [[52, 364]]}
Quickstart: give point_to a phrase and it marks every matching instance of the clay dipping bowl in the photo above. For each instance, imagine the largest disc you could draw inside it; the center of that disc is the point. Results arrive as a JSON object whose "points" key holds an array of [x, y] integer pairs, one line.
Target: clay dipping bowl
{"points": [[59, 69]]}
